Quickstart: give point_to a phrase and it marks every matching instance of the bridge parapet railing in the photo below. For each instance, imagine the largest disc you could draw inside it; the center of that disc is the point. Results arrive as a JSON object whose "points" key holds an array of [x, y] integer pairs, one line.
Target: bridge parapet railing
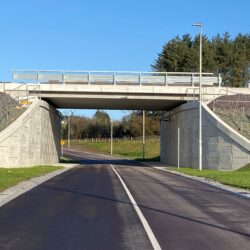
{"points": [[116, 78]]}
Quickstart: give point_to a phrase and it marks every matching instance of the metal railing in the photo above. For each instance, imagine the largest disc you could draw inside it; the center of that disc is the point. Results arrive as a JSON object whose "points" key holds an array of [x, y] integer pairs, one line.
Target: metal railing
{"points": [[115, 77]]}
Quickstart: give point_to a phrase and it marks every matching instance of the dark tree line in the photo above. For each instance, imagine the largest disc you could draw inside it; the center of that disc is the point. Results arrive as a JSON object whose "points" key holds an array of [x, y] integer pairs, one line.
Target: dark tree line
{"points": [[221, 54], [99, 126]]}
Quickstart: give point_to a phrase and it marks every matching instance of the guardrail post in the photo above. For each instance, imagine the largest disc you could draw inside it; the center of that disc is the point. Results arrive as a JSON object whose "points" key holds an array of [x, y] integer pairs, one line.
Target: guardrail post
{"points": [[192, 80], [114, 78], [63, 78], [219, 80], [27, 93], [18, 94], [37, 78], [140, 79], [89, 78], [166, 79]]}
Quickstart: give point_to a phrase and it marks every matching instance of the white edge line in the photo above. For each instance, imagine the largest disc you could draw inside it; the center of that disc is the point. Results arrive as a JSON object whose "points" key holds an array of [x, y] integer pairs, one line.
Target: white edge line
{"points": [[144, 222], [89, 153]]}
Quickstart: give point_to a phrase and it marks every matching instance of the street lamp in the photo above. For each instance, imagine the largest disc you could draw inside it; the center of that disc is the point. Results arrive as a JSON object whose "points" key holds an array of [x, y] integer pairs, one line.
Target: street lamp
{"points": [[200, 98], [111, 136], [143, 134], [69, 127]]}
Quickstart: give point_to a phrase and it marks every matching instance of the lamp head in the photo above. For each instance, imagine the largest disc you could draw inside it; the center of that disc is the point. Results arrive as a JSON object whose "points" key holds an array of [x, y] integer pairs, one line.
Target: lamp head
{"points": [[197, 24]]}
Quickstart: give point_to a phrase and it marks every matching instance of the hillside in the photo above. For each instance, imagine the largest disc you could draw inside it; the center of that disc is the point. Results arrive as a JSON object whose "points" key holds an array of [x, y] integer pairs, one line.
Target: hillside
{"points": [[235, 111], [10, 110]]}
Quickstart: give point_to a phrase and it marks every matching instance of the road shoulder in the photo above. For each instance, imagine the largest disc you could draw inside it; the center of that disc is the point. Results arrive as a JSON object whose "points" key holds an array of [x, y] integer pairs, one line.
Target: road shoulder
{"points": [[237, 191]]}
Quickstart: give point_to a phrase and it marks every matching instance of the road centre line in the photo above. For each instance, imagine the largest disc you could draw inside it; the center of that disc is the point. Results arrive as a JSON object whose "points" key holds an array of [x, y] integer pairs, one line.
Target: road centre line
{"points": [[144, 222]]}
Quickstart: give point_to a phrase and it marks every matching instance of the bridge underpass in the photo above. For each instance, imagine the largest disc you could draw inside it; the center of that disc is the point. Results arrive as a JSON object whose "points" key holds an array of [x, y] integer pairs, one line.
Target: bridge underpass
{"points": [[172, 92], [89, 202]]}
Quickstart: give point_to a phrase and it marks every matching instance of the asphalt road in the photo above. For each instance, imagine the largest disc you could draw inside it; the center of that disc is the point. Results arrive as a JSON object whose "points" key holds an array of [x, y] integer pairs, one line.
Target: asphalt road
{"points": [[88, 208]]}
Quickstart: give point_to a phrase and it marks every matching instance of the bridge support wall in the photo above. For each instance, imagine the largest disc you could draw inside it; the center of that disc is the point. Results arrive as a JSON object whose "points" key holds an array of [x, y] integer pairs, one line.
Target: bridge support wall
{"points": [[223, 147], [33, 139]]}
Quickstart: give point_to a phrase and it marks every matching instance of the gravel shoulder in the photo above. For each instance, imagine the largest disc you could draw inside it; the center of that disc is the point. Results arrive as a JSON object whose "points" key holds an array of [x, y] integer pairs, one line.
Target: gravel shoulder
{"points": [[11, 193]]}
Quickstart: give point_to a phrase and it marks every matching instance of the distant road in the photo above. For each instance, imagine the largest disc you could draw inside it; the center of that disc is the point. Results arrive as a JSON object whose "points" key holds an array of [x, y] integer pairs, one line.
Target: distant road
{"points": [[90, 207]]}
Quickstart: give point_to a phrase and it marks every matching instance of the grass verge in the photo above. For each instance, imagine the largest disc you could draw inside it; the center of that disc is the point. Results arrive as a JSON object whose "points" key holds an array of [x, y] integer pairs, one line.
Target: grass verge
{"points": [[65, 159], [12, 176], [125, 148], [239, 178]]}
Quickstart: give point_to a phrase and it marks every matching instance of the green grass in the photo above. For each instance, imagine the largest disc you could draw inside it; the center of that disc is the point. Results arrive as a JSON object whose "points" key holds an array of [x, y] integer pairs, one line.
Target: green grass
{"points": [[239, 178], [125, 148], [64, 159], [12, 176]]}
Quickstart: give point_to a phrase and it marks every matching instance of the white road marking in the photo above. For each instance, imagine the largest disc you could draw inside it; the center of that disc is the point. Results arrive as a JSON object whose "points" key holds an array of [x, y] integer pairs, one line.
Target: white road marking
{"points": [[144, 222], [94, 154]]}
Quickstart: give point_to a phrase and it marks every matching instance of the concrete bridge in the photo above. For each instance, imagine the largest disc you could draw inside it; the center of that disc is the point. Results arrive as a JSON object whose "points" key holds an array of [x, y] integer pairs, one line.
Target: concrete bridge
{"points": [[115, 90], [174, 92]]}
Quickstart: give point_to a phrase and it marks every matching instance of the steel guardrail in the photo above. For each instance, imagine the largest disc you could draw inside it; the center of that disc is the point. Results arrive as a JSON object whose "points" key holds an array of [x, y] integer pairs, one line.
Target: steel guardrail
{"points": [[116, 77]]}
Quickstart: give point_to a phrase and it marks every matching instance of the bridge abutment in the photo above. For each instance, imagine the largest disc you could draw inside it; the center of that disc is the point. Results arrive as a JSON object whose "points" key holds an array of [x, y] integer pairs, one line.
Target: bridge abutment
{"points": [[33, 139], [223, 148]]}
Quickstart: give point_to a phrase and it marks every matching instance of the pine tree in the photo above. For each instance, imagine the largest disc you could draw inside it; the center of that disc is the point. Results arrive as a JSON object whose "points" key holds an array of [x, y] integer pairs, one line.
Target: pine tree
{"points": [[221, 54]]}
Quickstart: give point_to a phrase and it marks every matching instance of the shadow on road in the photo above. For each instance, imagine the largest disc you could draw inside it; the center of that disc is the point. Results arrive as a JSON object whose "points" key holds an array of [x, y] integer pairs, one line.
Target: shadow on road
{"points": [[168, 213]]}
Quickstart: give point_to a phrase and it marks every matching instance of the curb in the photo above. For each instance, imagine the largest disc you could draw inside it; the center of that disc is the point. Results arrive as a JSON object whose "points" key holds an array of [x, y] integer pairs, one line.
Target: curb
{"points": [[13, 192]]}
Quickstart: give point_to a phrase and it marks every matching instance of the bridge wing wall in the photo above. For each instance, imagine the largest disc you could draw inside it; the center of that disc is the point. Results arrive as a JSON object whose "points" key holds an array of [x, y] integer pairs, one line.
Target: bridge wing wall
{"points": [[223, 147], [33, 139]]}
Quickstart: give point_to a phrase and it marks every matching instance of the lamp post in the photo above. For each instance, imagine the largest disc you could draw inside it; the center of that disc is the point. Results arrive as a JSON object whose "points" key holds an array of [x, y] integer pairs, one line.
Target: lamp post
{"points": [[111, 136], [143, 134], [200, 98], [69, 128]]}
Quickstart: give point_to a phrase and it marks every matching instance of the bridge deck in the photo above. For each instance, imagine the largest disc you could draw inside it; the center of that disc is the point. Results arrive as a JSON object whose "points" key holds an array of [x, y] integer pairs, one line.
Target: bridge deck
{"points": [[117, 90]]}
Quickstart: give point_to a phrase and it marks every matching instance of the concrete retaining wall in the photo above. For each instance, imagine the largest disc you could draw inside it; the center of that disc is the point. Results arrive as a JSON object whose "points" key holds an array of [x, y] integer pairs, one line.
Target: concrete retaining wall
{"points": [[33, 139], [223, 147]]}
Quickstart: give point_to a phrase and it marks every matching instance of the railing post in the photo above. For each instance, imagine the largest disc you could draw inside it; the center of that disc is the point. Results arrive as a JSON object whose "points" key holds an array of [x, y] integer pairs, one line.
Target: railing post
{"points": [[192, 80], [219, 79], [88, 78], [37, 78], [166, 79], [18, 94], [63, 78], [27, 93], [140, 79], [114, 78]]}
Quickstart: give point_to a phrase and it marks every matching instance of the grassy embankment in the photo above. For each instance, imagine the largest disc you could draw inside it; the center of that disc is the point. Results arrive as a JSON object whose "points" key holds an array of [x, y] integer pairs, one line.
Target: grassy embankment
{"points": [[12, 176], [239, 178], [133, 150], [126, 148], [64, 159]]}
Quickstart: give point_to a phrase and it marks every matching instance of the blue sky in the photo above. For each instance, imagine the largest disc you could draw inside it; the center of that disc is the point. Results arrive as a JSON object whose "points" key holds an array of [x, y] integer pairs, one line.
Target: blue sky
{"points": [[105, 35]]}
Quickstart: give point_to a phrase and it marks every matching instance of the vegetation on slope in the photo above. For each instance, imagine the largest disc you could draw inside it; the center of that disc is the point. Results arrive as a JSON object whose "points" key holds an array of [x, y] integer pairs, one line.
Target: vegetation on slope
{"points": [[126, 148], [235, 111], [239, 178]]}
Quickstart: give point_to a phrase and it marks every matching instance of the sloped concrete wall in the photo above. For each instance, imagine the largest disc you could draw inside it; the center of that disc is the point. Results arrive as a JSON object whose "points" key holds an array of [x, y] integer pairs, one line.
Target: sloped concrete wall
{"points": [[223, 147], [33, 139]]}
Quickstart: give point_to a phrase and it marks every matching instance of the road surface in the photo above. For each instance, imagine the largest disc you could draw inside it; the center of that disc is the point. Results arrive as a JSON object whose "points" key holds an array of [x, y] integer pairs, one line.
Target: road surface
{"points": [[90, 207]]}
